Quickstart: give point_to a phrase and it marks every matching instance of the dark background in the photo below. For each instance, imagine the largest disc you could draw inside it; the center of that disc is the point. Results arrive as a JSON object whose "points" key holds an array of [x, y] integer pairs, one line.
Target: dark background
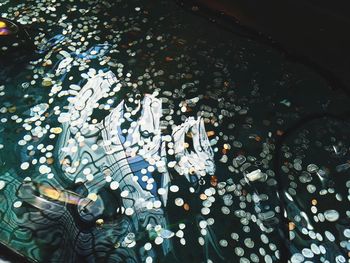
{"points": [[315, 31]]}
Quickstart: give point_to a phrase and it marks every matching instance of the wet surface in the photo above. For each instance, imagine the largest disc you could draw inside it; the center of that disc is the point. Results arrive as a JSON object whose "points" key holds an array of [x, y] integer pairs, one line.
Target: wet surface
{"points": [[140, 132]]}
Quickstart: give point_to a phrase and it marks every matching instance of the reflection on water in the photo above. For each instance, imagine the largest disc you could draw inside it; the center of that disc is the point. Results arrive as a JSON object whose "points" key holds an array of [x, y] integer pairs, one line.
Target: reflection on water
{"points": [[138, 132]]}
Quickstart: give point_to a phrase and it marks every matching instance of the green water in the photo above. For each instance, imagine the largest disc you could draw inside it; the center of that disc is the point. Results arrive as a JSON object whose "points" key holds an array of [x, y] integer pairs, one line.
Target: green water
{"points": [[275, 115]]}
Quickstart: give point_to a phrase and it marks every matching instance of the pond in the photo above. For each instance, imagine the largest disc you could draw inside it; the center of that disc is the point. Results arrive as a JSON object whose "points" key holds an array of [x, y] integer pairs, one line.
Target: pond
{"points": [[140, 131]]}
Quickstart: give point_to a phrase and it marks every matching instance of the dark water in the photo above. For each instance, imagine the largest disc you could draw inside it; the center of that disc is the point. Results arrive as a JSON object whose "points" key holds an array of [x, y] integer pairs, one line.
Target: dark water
{"points": [[220, 134]]}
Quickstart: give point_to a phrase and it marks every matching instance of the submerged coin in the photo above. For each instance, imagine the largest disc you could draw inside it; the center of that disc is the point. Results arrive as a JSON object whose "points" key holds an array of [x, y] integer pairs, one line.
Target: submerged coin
{"points": [[331, 215]]}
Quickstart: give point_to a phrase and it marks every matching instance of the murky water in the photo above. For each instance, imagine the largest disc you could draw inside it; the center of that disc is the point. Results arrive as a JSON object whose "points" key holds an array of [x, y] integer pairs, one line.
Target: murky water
{"points": [[140, 132]]}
